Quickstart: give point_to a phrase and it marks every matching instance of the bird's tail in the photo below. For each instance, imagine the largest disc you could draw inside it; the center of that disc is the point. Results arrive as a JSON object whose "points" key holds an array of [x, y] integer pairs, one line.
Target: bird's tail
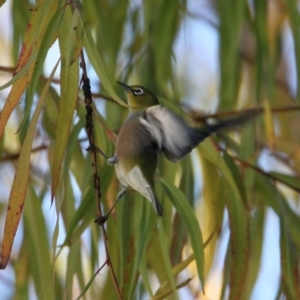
{"points": [[198, 135], [155, 202], [158, 207]]}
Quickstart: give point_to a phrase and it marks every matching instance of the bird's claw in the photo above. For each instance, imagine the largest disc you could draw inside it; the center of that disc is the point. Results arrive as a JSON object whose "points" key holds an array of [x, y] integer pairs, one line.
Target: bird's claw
{"points": [[101, 220], [93, 148]]}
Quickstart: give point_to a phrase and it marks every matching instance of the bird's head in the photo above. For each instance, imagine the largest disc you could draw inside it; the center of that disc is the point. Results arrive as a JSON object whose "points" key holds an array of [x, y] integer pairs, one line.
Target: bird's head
{"points": [[138, 97]]}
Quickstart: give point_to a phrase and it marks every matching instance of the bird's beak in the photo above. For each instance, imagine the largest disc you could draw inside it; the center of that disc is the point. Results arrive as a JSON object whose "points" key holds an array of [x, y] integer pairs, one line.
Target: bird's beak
{"points": [[124, 86]]}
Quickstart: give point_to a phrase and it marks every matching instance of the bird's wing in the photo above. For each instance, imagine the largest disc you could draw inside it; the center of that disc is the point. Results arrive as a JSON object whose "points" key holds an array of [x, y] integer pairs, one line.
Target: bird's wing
{"points": [[167, 131], [174, 137]]}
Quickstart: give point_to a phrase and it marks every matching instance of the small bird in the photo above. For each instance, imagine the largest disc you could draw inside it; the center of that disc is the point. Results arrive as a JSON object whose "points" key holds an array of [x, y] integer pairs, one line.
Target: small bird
{"points": [[151, 129]]}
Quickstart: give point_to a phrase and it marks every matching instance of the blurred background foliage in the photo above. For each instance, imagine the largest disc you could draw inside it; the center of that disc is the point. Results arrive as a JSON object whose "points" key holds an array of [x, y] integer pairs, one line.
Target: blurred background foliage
{"points": [[240, 187]]}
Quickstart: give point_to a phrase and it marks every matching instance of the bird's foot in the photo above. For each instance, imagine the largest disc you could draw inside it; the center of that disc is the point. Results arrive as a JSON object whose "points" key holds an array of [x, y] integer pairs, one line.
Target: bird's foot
{"points": [[95, 149], [101, 220], [112, 161]]}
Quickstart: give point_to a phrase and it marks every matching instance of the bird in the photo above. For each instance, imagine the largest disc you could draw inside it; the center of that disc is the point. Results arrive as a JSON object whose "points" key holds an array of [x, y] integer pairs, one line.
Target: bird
{"points": [[150, 130]]}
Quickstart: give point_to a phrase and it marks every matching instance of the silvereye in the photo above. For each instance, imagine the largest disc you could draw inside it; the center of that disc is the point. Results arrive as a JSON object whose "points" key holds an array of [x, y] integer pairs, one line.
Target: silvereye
{"points": [[151, 129]]}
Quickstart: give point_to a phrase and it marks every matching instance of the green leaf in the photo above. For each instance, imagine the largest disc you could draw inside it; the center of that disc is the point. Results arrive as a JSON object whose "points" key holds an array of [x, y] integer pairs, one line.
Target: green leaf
{"points": [[292, 6], [36, 231], [289, 180], [231, 21], [144, 222], [165, 258], [81, 219], [187, 214], [239, 224], [212, 155], [95, 58], [289, 264], [86, 288], [69, 92]]}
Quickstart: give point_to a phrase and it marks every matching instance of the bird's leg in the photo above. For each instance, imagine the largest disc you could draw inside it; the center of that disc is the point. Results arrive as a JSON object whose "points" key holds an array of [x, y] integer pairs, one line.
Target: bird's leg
{"points": [[102, 219], [110, 161]]}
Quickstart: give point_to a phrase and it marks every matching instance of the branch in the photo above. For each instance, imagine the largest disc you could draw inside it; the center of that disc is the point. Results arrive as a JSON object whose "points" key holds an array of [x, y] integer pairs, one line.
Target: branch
{"points": [[260, 171], [97, 184]]}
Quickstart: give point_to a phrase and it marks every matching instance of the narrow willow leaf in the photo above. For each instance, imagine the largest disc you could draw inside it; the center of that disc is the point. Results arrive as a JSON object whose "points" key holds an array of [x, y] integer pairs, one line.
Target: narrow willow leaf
{"points": [[154, 254], [239, 235], [187, 214], [19, 186], [108, 289], [47, 40], [36, 232], [211, 208], [231, 21], [106, 12], [22, 272], [95, 58], [162, 38], [126, 240], [183, 264], [86, 288], [73, 267], [273, 198], [54, 239], [164, 295], [81, 219], [289, 264], [143, 229], [226, 272], [69, 91], [292, 220], [239, 249], [291, 181], [179, 268], [265, 192], [260, 22], [33, 37], [211, 154], [166, 258], [256, 244], [145, 279], [20, 74], [20, 20], [74, 152], [179, 233], [269, 126]]}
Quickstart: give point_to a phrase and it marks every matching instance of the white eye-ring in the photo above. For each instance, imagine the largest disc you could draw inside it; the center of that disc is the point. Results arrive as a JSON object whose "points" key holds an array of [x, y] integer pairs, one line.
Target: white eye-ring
{"points": [[138, 91]]}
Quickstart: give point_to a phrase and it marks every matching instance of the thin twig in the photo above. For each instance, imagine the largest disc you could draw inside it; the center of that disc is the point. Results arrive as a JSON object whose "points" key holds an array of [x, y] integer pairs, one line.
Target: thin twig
{"points": [[260, 171], [14, 156], [97, 183], [98, 95], [281, 157], [197, 117]]}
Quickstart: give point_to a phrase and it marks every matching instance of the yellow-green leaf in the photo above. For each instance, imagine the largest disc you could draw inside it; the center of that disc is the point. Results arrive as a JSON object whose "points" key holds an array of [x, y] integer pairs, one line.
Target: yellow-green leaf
{"points": [[36, 28], [19, 186]]}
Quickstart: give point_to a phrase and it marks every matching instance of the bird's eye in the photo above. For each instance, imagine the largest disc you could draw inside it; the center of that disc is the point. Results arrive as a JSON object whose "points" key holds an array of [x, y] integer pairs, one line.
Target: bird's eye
{"points": [[138, 91]]}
